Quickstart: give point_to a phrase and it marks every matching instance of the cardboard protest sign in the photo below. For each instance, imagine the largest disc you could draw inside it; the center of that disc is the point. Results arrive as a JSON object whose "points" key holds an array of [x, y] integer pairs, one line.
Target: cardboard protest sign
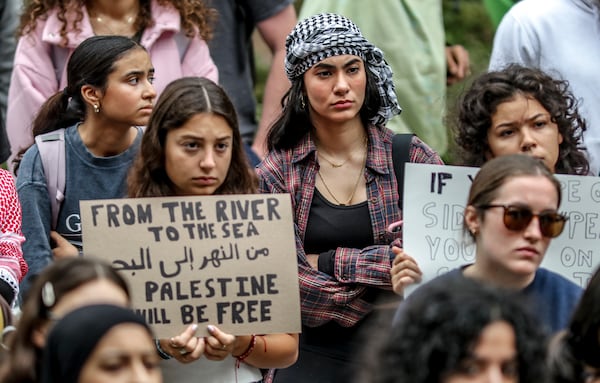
{"points": [[435, 197], [229, 261]]}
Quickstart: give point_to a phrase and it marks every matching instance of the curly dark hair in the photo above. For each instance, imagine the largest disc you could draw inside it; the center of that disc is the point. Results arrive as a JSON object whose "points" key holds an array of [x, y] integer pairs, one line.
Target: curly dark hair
{"points": [[180, 101], [196, 17], [437, 332], [480, 101]]}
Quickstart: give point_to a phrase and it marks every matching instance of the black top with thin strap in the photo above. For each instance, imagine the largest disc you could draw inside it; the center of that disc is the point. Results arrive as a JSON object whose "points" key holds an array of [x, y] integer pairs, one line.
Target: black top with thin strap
{"points": [[327, 351]]}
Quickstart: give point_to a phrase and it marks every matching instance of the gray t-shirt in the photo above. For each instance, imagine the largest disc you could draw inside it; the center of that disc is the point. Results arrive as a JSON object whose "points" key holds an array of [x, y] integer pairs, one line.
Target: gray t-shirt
{"points": [[231, 50], [87, 177]]}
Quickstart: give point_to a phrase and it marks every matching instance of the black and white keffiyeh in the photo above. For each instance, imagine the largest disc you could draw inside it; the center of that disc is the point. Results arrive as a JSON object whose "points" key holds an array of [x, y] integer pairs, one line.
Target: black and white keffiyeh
{"points": [[325, 35]]}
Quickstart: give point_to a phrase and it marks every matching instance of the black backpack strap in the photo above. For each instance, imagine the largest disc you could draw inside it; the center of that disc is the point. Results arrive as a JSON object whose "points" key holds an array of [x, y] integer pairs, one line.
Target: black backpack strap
{"points": [[400, 156]]}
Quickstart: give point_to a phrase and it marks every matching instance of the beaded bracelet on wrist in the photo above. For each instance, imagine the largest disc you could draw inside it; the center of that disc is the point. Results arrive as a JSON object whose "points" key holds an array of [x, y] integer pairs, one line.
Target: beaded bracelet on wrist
{"points": [[245, 354], [162, 353]]}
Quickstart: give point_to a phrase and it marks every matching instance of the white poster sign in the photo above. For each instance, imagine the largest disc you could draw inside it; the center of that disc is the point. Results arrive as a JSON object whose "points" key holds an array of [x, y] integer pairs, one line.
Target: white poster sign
{"points": [[435, 197]]}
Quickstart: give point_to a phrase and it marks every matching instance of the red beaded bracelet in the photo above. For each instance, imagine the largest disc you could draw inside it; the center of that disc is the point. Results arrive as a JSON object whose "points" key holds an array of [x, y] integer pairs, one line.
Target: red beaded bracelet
{"points": [[245, 354]]}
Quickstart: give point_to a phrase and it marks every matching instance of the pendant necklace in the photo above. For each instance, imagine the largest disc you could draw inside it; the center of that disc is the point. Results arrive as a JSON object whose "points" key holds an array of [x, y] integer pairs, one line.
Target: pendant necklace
{"points": [[360, 174], [334, 164], [125, 28]]}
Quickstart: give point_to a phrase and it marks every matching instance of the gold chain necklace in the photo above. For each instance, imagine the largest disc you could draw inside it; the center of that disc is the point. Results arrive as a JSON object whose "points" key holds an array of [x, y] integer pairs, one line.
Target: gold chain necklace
{"points": [[123, 29], [360, 174], [333, 164]]}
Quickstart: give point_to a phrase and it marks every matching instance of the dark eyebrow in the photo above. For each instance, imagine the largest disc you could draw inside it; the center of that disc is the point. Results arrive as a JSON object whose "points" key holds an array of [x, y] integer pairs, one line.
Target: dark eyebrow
{"points": [[541, 114], [225, 138], [324, 66], [329, 66], [508, 124], [139, 72], [511, 123], [191, 136], [352, 62], [199, 138]]}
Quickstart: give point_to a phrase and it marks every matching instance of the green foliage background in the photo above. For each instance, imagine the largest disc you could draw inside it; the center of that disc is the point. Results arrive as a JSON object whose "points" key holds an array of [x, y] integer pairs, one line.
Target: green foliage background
{"points": [[467, 23]]}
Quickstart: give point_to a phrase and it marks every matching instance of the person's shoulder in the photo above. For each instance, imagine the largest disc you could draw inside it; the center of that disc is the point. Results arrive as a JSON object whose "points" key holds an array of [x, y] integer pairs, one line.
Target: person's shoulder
{"points": [[440, 281], [275, 159], [550, 280], [6, 178], [71, 134], [420, 152], [7, 188], [30, 157], [159, 8], [449, 276], [532, 10], [545, 274], [282, 166], [165, 17], [265, 9], [30, 168]]}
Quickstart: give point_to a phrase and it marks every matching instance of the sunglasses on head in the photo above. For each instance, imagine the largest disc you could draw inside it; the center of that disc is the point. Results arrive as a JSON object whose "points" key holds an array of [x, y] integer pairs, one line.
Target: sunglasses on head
{"points": [[517, 218]]}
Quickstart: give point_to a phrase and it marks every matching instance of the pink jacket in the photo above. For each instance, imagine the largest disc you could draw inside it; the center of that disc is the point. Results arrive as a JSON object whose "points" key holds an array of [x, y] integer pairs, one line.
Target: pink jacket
{"points": [[34, 78]]}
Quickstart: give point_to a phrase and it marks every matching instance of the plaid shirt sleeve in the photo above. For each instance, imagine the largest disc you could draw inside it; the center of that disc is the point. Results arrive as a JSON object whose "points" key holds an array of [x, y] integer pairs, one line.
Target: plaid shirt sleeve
{"points": [[322, 297], [420, 153], [371, 266]]}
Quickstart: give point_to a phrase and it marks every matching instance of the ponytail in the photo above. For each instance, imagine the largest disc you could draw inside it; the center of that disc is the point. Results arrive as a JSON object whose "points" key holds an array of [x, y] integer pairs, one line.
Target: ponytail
{"points": [[90, 64], [59, 111]]}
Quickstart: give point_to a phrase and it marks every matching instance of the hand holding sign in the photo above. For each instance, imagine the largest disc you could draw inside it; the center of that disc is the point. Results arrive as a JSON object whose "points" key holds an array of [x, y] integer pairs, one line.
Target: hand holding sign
{"points": [[185, 347], [62, 248], [405, 271], [219, 344], [229, 261], [434, 203]]}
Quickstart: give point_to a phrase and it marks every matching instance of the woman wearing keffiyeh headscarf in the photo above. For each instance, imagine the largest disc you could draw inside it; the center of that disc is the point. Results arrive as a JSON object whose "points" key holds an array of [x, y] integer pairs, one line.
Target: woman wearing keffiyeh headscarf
{"points": [[331, 151]]}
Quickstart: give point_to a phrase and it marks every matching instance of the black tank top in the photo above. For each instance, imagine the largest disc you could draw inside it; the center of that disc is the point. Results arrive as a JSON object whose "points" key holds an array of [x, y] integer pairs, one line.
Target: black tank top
{"points": [[331, 226]]}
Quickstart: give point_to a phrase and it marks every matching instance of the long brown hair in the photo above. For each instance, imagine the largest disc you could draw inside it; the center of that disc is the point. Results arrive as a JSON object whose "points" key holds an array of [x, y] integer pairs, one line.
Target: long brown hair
{"points": [[180, 101], [196, 17]]}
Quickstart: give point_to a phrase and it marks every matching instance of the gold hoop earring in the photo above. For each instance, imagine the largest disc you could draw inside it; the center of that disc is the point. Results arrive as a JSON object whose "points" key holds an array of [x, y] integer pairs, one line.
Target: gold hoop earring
{"points": [[96, 108]]}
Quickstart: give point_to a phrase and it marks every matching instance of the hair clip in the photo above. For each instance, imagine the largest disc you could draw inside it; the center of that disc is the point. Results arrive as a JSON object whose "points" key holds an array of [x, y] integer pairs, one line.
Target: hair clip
{"points": [[48, 296]]}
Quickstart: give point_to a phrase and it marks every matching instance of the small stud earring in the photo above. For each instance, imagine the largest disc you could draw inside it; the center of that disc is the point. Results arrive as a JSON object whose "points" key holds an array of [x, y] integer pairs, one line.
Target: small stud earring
{"points": [[96, 108]]}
